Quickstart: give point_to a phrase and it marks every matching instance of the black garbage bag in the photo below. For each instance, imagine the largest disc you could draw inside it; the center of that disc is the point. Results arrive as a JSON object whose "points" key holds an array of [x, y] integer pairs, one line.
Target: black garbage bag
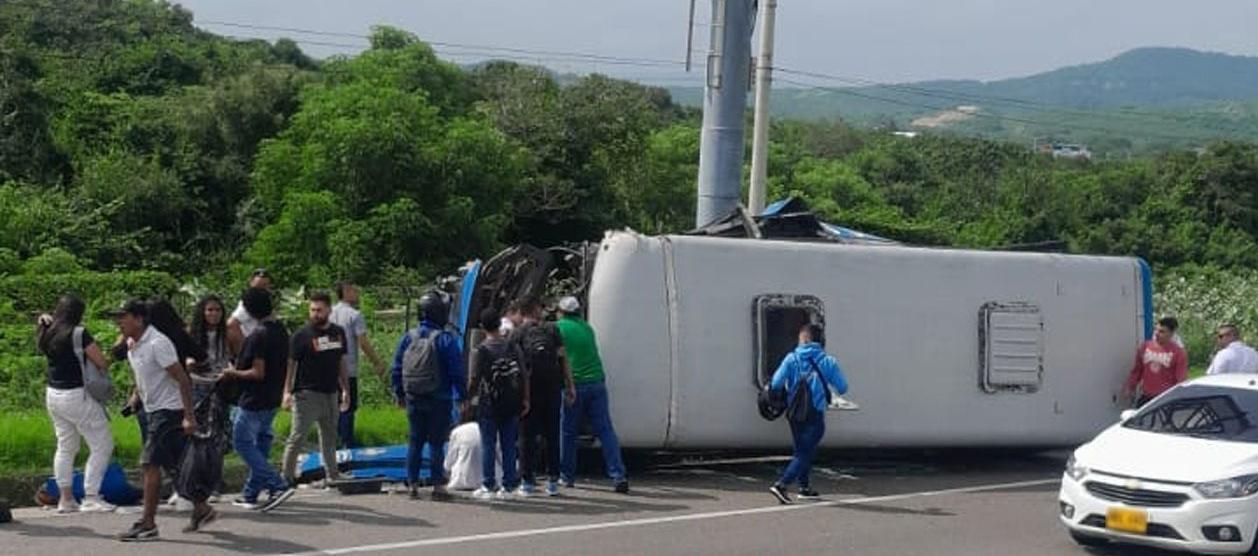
{"points": [[201, 468]]}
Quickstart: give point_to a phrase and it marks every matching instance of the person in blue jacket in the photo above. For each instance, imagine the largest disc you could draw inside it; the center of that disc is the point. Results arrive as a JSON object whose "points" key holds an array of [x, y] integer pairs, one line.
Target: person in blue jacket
{"points": [[809, 366], [429, 415]]}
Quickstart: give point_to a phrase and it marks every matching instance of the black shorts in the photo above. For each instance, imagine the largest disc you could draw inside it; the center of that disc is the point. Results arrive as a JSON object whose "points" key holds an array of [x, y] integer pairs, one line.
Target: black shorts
{"points": [[166, 440]]}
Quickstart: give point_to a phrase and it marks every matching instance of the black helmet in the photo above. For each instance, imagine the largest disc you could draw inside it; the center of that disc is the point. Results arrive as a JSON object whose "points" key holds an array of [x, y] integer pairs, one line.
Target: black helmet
{"points": [[771, 402], [432, 307]]}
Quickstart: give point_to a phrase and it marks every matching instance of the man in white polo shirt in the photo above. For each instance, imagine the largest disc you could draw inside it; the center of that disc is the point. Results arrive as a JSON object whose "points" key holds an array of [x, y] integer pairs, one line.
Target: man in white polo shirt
{"points": [[1233, 355], [166, 392]]}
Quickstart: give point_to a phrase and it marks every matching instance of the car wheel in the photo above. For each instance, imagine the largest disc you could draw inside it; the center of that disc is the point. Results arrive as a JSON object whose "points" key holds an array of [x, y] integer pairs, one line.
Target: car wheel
{"points": [[1087, 540], [1253, 549]]}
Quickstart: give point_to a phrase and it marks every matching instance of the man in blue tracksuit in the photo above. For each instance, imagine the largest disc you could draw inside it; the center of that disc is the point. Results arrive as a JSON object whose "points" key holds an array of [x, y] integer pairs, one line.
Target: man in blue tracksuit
{"points": [[429, 414], [809, 366]]}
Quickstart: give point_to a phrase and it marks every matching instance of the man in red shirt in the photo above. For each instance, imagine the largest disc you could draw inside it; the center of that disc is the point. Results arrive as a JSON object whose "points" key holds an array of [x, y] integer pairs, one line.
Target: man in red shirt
{"points": [[1160, 364]]}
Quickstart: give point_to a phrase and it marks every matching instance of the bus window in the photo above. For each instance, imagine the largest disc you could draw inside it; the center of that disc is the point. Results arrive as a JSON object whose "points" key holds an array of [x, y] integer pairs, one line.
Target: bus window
{"points": [[777, 319]]}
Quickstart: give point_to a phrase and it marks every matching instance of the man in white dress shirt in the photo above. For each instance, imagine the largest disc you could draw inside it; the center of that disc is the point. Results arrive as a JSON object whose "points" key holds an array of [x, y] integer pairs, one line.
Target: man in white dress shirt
{"points": [[1233, 355]]}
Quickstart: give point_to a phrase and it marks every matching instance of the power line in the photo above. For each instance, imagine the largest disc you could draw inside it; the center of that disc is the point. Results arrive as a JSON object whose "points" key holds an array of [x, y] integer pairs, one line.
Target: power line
{"points": [[477, 47]]}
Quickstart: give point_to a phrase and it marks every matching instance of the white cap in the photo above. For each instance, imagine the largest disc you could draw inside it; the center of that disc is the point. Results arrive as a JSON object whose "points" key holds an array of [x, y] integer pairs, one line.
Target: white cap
{"points": [[569, 304]]}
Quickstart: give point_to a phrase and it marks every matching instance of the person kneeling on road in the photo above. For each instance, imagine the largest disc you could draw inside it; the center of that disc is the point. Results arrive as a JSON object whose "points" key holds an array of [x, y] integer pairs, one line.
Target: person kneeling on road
{"points": [[807, 373]]}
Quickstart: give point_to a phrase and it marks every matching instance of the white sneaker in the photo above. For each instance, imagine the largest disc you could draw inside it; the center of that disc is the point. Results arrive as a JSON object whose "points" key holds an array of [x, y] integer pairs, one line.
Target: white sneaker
{"points": [[482, 493], [524, 491], [96, 506], [183, 505], [67, 507], [504, 494], [173, 500]]}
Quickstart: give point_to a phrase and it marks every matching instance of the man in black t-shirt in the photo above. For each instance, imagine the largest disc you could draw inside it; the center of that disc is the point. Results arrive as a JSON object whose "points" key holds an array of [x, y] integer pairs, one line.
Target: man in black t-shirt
{"points": [[317, 388], [550, 381], [260, 368]]}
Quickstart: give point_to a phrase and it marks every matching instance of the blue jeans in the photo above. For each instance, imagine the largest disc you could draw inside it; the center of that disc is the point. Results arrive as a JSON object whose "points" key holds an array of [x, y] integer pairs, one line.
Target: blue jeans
{"points": [[806, 436], [591, 403], [429, 420], [495, 431], [252, 438]]}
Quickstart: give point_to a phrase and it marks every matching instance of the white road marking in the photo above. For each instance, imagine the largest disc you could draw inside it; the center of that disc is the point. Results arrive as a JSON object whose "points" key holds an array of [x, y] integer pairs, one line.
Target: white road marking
{"points": [[441, 541]]}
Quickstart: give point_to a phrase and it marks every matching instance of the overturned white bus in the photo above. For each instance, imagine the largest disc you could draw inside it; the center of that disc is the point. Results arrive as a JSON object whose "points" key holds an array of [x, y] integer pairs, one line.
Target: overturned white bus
{"points": [[942, 347]]}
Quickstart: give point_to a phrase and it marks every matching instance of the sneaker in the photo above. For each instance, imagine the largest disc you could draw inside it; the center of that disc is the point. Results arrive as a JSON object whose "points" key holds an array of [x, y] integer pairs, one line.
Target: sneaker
{"points": [[569, 483], [414, 493], [622, 487], [504, 494], [215, 498], [242, 502], [67, 507], [525, 490], [199, 521], [808, 494], [552, 488], [440, 494], [95, 505], [173, 500], [780, 493], [183, 505], [138, 532], [278, 498], [483, 493]]}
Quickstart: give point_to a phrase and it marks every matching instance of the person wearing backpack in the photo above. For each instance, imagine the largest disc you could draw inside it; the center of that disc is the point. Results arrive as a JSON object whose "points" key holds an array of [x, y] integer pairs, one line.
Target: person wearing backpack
{"points": [[591, 403], [427, 375], [77, 387], [550, 385], [807, 374], [501, 394]]}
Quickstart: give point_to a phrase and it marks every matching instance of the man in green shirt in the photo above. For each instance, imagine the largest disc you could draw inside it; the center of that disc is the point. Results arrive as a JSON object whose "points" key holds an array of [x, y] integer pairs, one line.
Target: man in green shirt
{"points": [[591, 400]]}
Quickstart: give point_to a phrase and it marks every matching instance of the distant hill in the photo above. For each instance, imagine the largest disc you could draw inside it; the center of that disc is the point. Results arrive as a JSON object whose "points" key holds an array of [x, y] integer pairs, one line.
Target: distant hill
{"points": [[1147, 96]]}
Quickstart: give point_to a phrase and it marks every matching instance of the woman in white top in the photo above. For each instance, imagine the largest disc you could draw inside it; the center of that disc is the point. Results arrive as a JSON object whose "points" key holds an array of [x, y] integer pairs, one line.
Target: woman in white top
{"points": [[76, 415]]}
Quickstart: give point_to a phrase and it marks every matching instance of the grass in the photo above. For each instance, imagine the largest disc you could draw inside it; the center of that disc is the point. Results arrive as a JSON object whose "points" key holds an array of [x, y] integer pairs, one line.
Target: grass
{"points": [[27, 441]]}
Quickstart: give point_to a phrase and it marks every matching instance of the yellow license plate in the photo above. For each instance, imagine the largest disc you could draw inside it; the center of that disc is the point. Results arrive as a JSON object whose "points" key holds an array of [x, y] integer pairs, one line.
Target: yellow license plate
{"points": [[1127, 520]]}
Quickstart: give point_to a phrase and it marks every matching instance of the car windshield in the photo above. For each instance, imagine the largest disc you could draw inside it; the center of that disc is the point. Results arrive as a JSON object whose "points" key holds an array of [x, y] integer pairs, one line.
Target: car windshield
{"points": [[1214, 412]]}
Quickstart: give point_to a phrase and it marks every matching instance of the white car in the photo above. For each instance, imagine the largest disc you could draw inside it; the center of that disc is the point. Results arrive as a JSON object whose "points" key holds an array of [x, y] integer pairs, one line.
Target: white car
{"points": [[1181, 473]]}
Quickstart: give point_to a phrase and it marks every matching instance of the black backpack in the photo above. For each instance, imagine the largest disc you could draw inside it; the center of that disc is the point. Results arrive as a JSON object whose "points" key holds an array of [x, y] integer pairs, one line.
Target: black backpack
{"points": [[541, 353], [801, 407], [503, 388]]}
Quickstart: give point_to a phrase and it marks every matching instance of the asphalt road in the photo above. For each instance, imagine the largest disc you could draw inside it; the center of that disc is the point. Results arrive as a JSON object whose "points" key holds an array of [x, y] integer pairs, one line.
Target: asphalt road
{"points": [[967, 503]]}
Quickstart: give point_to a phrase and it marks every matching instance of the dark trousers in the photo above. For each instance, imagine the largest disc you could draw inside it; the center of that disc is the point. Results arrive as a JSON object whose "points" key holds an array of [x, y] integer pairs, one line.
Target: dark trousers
{"points": [[429, 420], [806, 436], [345, 427], [540, 441], [494, 432]]}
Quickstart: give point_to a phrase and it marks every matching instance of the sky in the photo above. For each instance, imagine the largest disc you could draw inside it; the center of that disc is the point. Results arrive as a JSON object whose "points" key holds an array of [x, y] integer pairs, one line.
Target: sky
{"points": [[881, 40]]}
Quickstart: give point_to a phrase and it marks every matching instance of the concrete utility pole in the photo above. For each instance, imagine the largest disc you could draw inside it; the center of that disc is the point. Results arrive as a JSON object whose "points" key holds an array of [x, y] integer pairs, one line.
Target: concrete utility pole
{"points": [[760, 126], [724, 100]]}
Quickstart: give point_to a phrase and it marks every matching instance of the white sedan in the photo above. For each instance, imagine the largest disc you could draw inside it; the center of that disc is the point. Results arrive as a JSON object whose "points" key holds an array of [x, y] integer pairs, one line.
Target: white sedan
{"points": [[1181, 473]]}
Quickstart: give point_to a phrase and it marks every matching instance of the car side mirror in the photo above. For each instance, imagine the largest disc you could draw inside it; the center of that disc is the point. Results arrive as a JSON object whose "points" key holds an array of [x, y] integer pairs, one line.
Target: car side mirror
{"points": [[1127, 414]]}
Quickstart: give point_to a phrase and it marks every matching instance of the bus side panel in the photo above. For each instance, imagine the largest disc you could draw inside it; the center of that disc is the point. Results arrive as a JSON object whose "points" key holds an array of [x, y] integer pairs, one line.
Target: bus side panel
{"points": [[904, 325], [628, 308]]}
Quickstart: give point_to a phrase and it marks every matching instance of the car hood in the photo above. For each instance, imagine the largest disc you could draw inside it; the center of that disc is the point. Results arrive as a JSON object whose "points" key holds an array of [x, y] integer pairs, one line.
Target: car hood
{"points": [[1167, 457]]}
